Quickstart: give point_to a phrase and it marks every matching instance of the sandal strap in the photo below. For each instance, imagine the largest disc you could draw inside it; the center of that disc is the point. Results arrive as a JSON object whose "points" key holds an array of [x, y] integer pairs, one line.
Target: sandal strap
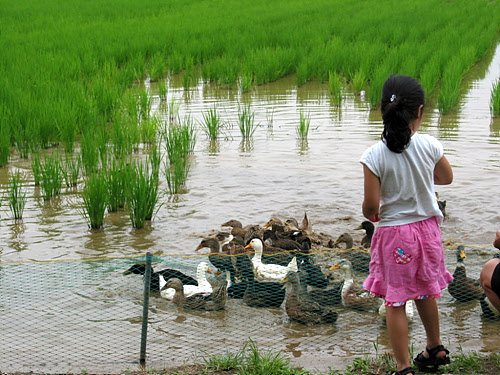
{"points": [[434, 351]]}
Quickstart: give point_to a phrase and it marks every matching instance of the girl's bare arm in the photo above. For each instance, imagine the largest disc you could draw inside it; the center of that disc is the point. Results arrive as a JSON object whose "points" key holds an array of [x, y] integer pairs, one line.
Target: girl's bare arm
{"points": [[443, 174], [371, 202]]}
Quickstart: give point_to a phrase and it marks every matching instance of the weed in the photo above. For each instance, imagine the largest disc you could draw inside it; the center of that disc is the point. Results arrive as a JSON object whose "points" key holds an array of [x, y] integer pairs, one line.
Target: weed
{"points": [[51, 176], [212, 123], [303, 125], [95, 199], [17, 197], [495, 98], [246, 121]]}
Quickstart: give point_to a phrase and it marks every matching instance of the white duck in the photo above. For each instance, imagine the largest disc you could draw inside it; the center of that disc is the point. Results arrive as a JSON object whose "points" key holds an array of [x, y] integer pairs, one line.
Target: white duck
{"points": [[409, 309], [268, 271], [203, 285]]}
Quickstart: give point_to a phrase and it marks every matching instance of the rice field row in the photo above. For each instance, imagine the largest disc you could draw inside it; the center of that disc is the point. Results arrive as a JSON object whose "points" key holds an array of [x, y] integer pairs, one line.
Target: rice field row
{"points": [[71, 70]]}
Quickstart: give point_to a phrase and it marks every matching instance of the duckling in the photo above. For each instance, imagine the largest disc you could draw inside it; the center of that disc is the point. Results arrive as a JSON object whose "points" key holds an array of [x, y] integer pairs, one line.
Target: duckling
{"points": [[199, 301], [359, 257], [203, 286], [357, 300], [369, 228], [258, 294], [463, 288], [160, 278], [269, 271], [302, 309], [219, 260]]}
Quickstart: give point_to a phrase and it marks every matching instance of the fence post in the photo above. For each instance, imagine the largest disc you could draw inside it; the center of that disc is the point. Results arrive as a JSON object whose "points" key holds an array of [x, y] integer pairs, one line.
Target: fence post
{"points": [[145, 310]]}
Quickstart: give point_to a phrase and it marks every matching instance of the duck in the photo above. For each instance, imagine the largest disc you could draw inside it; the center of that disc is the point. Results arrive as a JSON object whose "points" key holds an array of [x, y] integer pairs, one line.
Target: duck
{"points": [[258, 294], [247, 232], [463, 288], [311, 274], [369, 228], [219, 260], [203, 286], [268, 271], [360, 299], [271, 239], [160, 278], [488, 309], [359, 257], [441, 205], [300, 308], [236, 227], [214, 301], [409, 310]]}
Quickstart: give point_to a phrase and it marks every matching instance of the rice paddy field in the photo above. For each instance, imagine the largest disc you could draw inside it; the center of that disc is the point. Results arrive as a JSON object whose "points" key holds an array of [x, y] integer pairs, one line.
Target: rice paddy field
{"points": [[129, 127]]}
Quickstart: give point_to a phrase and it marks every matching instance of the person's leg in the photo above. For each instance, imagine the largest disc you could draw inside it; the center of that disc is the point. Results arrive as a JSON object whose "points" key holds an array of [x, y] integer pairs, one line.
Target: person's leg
{"points": [[397, 327], [429, 314], [486, 279]]}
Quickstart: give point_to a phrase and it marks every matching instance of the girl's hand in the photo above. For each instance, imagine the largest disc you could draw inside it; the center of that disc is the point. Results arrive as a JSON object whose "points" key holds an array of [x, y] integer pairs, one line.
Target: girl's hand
{"points": [[375, 218]]}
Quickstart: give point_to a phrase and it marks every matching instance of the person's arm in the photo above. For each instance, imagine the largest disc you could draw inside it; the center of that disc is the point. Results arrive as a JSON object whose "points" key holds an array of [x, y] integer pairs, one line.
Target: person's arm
{"points": [[496, 241], [371, 202], [443, 174]]}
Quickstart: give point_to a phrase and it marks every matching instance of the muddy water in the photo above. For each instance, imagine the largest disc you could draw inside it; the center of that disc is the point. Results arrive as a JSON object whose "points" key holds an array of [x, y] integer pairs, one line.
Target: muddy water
{"points": [[274, 174]]}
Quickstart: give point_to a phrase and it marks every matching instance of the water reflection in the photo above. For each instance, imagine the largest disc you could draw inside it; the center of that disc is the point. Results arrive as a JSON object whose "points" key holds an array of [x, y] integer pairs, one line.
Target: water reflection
{"points": [[495, 130], [448, 127]]}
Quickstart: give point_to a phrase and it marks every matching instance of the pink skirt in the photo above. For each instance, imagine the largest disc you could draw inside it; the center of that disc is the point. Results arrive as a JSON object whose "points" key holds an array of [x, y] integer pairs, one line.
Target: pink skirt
{"points": [[407, 262]]}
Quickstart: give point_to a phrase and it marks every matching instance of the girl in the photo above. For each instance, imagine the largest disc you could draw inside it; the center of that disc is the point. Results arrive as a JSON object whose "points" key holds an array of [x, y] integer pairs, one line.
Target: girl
{"points": [[407, 255]]}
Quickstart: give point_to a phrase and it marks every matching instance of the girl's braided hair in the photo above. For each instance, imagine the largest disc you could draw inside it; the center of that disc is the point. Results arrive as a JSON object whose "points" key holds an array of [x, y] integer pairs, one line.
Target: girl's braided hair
{"points": [[401, 97]]}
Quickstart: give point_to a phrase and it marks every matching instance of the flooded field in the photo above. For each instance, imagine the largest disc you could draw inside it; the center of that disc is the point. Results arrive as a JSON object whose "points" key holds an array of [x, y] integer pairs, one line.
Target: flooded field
{"points": [[273, 174]]}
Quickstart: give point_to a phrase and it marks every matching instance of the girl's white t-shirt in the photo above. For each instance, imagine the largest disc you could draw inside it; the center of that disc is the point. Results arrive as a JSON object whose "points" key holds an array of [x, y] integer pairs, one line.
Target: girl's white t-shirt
{"points": [[406, 180]]}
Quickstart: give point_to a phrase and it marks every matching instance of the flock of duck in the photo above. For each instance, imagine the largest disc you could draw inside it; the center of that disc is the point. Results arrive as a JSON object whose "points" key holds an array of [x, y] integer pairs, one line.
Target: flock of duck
{"points": [[284, 262]]}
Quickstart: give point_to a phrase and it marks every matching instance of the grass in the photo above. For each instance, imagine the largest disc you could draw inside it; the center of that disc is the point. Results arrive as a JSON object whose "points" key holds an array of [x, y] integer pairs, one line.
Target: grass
{"points": [[95, 199], [119, 174], [212, 123], [51, 175], [303, 126], [71, 169], [335, 87], [142, 197], [54, 97], [180, 140], [495, 98], [5, 134], [246, 121], [16, 195], [251, 360]]}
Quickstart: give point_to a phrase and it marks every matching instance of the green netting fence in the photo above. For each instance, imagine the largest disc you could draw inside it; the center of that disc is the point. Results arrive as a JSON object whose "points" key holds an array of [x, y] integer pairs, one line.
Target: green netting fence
{"points": [[87, 315]]}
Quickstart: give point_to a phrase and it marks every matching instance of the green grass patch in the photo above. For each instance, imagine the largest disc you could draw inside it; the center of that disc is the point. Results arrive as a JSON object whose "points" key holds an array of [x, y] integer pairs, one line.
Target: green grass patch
{"points": [[16, 195], [51, 175], [179, 140], [495, 98], [246, 121], [212, 123], [303, 126], [95, 199]]}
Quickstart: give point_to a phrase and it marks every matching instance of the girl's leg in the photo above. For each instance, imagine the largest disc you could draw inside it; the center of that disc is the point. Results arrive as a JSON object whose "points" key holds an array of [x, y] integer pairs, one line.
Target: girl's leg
{"points": [[397, 327], [429, 314]]}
